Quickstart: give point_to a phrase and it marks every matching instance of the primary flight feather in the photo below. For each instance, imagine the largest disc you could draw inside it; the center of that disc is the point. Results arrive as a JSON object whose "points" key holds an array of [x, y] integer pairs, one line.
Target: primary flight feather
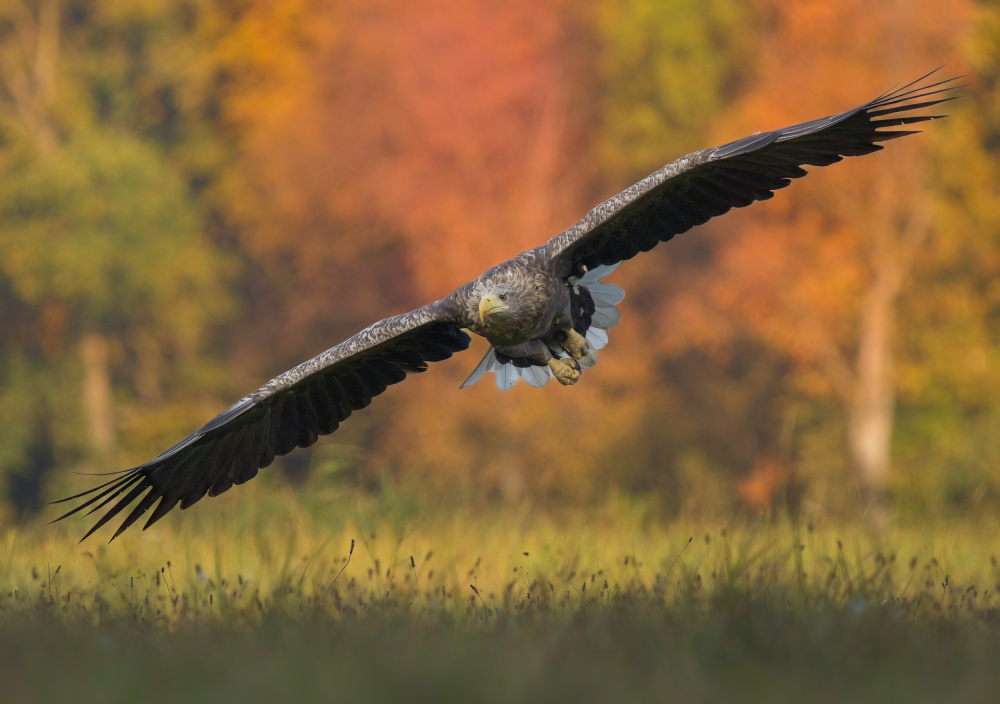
{"points": [[544, 312]]}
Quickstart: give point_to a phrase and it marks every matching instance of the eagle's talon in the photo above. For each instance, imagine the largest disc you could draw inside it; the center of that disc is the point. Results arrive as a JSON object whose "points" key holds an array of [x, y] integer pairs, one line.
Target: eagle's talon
{"points": [[576, 344], [566, 371]]}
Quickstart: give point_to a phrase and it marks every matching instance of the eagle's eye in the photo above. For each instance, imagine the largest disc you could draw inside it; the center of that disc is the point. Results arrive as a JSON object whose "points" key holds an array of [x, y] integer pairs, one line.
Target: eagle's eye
{"points": [[503, 296]]}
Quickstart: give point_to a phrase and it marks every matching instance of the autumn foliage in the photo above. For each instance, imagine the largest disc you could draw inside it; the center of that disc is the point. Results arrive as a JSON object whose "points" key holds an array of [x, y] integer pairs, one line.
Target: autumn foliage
{"points": [[196, 196]]}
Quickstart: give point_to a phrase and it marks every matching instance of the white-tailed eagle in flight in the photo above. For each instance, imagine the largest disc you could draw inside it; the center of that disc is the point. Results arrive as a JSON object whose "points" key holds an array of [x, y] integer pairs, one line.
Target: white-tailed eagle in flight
{"points": [[544, 312]]}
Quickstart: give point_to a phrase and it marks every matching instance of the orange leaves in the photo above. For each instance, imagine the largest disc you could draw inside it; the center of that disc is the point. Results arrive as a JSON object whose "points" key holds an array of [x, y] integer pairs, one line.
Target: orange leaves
{"points": [[796, 269], [471, 155], [447, 125]]}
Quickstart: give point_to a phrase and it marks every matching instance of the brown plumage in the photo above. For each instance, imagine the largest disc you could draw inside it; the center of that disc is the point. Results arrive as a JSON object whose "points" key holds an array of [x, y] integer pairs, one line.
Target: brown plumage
{"points": [[542, 312]]}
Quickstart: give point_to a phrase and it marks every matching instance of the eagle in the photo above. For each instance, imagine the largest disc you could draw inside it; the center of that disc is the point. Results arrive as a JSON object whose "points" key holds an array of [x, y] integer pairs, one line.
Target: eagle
{"points": [[545, 313]]}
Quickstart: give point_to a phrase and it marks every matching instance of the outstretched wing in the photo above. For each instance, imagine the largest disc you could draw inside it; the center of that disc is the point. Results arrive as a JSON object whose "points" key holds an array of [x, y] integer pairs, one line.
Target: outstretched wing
{"points": [[289, 411], [699, 186]]}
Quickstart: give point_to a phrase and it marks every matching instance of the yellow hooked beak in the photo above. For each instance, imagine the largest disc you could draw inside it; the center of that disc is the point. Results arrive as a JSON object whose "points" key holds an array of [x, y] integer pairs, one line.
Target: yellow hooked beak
{"points": [[488, 305]]}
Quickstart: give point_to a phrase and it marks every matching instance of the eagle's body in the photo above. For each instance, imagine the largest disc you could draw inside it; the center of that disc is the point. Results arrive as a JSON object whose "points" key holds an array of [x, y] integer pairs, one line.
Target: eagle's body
{"points": [[544, 312], [536, 308], [543, 300]]}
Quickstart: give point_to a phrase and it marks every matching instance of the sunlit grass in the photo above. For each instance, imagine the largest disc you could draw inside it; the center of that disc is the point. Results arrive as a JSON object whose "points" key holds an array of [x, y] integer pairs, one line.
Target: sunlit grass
{"points": [[609, 601]]}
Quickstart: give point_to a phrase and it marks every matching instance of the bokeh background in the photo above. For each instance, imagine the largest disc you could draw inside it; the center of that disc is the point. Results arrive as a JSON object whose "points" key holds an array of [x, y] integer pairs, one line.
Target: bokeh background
{"points": [[198, 195]]}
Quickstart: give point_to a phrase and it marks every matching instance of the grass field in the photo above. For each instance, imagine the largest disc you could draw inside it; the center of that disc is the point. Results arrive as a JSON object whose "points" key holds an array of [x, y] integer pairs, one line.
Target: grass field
{"points": [[252, 598]]}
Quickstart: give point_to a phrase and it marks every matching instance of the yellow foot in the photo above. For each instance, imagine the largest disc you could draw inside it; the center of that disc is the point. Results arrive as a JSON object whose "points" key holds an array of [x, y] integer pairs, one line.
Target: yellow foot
{"points": [[576, 344], [566, 371]]}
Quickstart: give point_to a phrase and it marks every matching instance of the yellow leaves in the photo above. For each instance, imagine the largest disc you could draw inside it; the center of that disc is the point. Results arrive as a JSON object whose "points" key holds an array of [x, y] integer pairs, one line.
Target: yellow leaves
{"points": [[667, 70], [104, 224]]}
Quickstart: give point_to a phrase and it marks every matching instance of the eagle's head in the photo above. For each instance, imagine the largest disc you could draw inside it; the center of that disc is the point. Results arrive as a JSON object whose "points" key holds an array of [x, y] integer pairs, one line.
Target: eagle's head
{"points": [[499, 301]]}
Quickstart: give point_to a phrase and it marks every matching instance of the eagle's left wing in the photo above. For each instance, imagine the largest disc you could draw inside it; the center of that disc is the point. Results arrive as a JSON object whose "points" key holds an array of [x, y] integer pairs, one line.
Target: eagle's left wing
{"points": [[291, 410], [699, 186]]}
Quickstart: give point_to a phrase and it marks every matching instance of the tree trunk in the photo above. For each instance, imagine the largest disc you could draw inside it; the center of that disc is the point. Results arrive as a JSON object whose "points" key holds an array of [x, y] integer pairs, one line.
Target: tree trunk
{"points": [[871, 408], [97, 392], [30, 79], [895, 239]]}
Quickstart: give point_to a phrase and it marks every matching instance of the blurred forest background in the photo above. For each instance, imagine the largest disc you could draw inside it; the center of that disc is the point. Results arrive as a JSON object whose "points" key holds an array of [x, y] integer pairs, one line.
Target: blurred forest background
{"points": [[195, 195]]}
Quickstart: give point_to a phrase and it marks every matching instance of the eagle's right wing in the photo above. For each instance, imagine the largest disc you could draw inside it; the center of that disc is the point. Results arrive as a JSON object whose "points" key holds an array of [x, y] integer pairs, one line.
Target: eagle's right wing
{"points": [[291, 410]]}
